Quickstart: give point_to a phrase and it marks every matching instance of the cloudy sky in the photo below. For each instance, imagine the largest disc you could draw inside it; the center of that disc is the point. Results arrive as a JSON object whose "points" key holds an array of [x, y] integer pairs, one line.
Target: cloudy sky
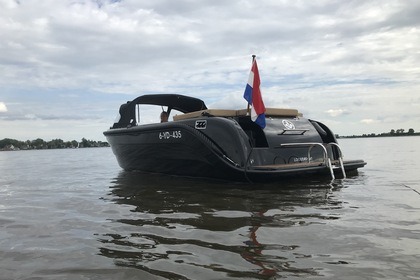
{"points": [[66, 66]]}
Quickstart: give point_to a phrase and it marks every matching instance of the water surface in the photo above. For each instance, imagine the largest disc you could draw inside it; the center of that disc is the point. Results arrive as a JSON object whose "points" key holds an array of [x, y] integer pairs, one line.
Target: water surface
{"points": [[74, 214]]}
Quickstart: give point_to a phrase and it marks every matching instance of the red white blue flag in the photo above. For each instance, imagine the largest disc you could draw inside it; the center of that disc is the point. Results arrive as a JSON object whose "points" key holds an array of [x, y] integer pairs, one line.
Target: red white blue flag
{"points": [[252, 94]]}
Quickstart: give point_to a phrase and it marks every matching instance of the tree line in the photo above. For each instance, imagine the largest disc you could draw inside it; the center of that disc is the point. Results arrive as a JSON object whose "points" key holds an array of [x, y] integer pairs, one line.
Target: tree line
{"points": [[8, 144], [393, 132]]}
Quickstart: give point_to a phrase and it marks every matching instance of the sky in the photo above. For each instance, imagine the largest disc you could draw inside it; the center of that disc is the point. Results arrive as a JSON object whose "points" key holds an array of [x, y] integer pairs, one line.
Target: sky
{"points": [[66, 66]]}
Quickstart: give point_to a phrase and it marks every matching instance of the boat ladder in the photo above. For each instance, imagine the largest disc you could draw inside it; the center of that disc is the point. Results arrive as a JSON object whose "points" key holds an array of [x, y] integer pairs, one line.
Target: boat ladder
{"points": [[326, 158]]}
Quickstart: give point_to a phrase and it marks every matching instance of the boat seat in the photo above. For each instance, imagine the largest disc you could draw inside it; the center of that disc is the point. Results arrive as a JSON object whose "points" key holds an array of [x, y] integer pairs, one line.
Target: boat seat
{"points": [[213, 112], [269, 112]]}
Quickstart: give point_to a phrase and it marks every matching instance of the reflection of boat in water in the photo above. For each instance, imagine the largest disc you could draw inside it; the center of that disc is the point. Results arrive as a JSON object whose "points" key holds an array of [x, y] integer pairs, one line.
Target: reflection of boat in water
{"points": [[225, 144], [167, 228]]}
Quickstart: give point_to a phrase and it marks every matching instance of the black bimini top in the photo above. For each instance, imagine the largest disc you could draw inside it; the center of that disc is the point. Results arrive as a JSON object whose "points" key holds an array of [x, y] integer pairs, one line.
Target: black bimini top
{"points": [[182, 103]]}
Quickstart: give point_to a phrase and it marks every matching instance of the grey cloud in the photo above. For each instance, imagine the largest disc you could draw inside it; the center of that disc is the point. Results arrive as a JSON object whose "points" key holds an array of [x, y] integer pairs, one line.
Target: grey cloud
{"points": [[340, 52]]}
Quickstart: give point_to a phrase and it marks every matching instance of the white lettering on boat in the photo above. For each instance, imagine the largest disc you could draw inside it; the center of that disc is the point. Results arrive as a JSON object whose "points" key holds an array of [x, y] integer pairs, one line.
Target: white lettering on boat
{"points": [[302, 159], [170, 134]]}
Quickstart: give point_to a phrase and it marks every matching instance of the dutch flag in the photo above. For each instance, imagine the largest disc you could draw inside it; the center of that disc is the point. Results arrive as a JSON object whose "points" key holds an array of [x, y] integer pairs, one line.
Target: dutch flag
{"points": [[252, 94]]}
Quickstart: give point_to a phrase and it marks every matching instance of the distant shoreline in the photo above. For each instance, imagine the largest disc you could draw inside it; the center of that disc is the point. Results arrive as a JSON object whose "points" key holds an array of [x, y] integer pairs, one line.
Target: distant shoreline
{"points": [[8, 144]]}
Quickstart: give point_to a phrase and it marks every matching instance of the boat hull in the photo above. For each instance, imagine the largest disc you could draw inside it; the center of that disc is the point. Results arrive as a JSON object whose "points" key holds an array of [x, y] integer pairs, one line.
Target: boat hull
{"points": [[178, 148]]}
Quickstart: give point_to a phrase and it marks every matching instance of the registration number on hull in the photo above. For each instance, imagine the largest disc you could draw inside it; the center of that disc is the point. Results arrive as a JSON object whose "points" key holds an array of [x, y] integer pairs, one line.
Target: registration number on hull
{"points": [[170, 134]]}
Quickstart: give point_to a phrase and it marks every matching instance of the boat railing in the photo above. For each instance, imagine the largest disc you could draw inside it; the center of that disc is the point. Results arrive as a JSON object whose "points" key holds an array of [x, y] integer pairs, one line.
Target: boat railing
{"points": [[326, 157], [340, 157]]}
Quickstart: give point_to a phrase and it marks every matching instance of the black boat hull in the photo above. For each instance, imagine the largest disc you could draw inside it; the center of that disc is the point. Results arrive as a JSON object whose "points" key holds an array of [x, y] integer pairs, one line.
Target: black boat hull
{"points": [[178, 148], [171, 149]]}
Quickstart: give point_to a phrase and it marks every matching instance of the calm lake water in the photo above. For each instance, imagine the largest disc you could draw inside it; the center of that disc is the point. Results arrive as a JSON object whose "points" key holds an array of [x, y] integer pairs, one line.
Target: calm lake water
{"points": [[74, 214]]}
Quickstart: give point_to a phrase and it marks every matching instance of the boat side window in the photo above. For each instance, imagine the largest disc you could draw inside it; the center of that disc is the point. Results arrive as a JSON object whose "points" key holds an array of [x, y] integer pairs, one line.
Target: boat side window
{"points": [[147, 114], [174, 113]]}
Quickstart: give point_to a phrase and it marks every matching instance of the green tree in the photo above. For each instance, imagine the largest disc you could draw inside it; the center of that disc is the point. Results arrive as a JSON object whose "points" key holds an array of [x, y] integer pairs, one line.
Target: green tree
{"points": [[85, 143], [56, 144], [7, 142], [38, 143]]}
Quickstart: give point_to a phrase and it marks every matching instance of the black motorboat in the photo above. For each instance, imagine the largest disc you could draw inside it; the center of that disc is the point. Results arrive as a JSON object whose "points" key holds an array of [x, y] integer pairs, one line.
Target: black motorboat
{"points": [[225, 144]]}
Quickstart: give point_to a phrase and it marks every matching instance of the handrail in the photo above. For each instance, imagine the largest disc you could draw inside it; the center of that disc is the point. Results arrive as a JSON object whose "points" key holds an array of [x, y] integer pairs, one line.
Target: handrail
{"points": [[326, 158], [340, 157]]}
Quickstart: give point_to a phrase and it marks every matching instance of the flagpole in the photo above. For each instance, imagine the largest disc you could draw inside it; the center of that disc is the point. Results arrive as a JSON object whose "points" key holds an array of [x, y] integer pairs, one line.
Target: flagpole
{"points": [[248, 108]]}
